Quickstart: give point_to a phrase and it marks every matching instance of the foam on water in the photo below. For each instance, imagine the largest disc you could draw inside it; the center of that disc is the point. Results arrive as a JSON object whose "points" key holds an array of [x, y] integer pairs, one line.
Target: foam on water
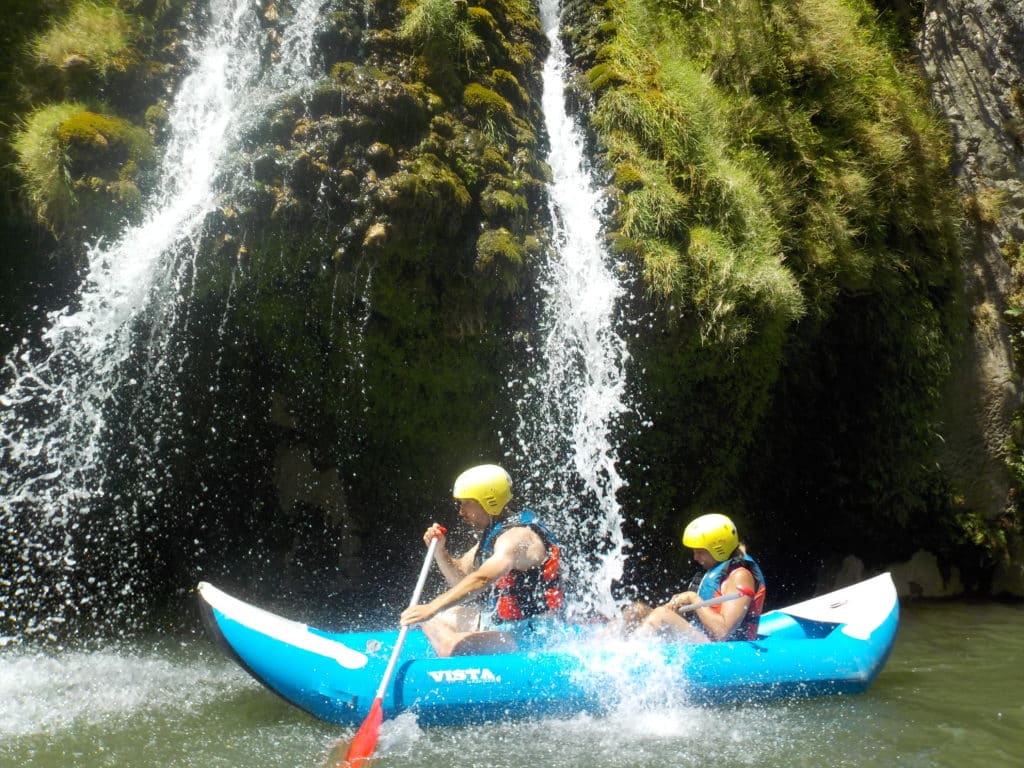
{"points": [[47, 693]]}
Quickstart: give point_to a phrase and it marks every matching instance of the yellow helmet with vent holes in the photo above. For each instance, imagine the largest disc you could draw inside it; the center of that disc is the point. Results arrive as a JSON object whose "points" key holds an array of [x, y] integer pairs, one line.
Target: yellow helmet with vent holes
{"points": [[488, 484], [716, 533]]}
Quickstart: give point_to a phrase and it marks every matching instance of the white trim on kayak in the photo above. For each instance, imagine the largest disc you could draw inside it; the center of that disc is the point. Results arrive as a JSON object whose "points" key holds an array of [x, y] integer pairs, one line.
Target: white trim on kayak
{"points": [[289, 632], [861, 607]]}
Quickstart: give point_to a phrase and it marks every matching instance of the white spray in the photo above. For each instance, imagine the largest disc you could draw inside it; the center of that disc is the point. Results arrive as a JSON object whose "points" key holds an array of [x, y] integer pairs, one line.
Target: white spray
{"points": [[52, 422], [572, 404]]}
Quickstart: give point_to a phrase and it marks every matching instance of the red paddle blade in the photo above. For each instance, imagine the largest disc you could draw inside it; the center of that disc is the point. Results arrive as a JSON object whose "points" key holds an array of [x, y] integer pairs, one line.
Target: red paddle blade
{"points": [[365, 741]]}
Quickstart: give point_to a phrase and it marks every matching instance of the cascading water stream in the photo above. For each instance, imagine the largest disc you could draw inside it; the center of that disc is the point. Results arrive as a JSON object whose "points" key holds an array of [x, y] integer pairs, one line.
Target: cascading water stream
{"points": [[572, 404], [53, 419]]}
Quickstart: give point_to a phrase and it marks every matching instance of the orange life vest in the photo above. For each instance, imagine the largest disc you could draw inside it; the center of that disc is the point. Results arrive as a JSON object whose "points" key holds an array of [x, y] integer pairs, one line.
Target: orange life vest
{"points": [[522, 594]]}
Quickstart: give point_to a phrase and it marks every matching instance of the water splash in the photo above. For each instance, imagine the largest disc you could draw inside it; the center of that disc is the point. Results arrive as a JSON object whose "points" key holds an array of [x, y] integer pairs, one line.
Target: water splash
{"points": [[45, 694], [53, 427], [570, 407]]}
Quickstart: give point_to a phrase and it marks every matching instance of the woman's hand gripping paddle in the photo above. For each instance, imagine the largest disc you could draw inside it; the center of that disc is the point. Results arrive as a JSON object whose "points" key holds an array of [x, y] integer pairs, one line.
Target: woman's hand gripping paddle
{"points": [[365, 741], [742, 592]]}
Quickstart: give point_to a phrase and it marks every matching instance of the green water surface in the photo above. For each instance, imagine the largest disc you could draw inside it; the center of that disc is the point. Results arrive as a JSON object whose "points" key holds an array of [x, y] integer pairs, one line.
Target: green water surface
{"points": [[951, 695]]}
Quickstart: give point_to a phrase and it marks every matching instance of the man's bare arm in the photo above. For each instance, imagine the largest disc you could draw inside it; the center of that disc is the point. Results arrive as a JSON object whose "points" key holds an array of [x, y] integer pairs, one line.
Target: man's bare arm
{"points": [[515, 549]]}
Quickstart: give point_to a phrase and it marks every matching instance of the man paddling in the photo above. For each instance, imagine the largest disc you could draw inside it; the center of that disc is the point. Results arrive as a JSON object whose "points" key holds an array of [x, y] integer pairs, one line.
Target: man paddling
{"points": [[729, 571], [516, 560]]}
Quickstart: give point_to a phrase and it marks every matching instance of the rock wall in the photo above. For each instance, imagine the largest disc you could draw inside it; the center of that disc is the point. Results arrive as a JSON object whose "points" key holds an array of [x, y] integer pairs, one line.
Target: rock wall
{"points": [[972, 53]]}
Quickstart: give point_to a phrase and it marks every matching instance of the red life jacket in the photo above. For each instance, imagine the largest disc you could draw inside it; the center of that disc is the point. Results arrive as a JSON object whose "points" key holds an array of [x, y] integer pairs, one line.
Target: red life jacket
{"points": [[522, 594]]}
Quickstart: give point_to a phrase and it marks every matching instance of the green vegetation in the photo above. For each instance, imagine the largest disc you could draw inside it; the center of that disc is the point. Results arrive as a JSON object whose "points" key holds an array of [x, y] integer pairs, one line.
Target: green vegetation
{"points": [[500, 255], [784, 130], [98, 36], [77, 80], [491, 113], [81, 168], [1013, 251], [782, 185], [441, 29], [484, 101], [41, 163], [20, 269]]}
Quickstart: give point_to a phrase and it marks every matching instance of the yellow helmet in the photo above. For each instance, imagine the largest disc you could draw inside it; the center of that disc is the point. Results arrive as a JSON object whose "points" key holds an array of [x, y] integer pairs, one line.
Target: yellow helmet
{"points": [[487, 483], [715, 533]]}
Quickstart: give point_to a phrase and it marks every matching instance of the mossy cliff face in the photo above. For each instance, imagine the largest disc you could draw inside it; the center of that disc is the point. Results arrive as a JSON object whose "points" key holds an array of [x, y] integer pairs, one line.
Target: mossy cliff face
{"points": [[783, 187], [779, 193], [351, 315], [372, 264]]}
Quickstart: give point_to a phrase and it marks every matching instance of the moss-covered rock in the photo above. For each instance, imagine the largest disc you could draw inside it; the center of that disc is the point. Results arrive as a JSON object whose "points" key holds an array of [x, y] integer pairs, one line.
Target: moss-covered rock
{"points": [[485, 103], [508, 86], [500, 256], [82, 168], [505, 209], [426, 196], [378, 106], [102, 144]]}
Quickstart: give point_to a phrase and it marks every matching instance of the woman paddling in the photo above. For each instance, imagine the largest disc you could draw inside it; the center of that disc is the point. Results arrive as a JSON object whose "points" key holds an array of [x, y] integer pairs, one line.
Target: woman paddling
{"points": [[729, 570]]}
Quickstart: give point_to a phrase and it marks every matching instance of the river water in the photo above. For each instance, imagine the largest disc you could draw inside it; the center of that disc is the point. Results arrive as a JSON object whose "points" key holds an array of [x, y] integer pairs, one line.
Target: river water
{"points": [[950, 695]]}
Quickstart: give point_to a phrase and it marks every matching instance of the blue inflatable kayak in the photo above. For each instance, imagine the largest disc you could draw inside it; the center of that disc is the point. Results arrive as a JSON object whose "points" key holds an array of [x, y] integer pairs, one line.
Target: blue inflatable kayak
{"points": [[833, 644]]}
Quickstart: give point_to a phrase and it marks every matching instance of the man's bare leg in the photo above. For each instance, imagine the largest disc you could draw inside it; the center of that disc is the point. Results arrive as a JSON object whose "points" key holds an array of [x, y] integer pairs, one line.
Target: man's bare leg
{"points": [[455, 633], [484, 643], [448, 642]]}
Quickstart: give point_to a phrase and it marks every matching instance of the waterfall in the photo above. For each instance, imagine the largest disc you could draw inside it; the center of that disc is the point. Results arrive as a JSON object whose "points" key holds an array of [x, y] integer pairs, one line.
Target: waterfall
{"points": [[571, 405], [53, 420]]}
